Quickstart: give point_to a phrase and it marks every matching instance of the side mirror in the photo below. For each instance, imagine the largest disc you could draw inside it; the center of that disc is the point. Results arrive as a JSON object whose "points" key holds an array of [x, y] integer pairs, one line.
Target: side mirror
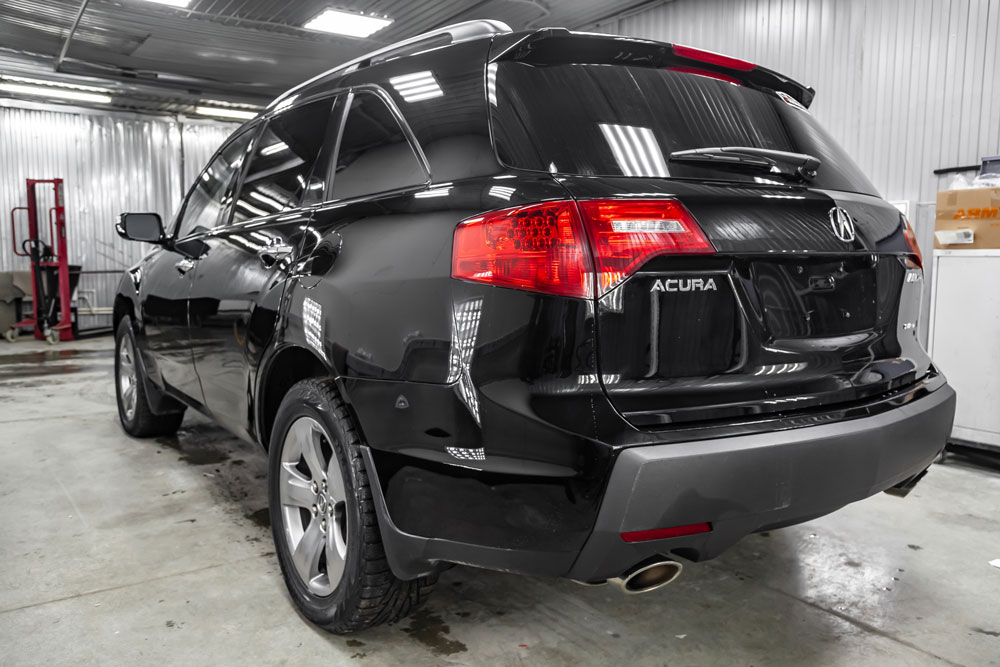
{"points": [[146, 227]]}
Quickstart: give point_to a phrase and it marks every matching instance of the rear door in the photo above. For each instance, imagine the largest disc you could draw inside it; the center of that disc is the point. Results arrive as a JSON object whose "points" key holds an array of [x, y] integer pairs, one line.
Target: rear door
{"points": [[242, 274], [808, 295]]}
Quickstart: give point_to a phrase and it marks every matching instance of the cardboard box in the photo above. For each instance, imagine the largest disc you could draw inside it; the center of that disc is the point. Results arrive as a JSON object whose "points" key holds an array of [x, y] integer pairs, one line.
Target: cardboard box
{"points": [[976, 209]]}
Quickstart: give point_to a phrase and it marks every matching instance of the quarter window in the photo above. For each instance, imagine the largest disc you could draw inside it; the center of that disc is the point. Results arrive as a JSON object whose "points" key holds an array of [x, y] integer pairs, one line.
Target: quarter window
{"points": [[206, 203], [280, 172], [374, 154]]}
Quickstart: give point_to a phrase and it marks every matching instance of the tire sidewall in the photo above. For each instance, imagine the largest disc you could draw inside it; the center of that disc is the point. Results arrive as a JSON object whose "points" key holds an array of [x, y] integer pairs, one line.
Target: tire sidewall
{"points": [[306, 400]]}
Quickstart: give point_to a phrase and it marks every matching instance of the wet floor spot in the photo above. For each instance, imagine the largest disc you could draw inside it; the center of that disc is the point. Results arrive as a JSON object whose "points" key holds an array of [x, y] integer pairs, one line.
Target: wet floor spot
{"points": [[23, 372], [430, 629], [195, 451], [852, 563], [261, 517], [42, 356], [355, 643], [915, 547], [990, 633]]}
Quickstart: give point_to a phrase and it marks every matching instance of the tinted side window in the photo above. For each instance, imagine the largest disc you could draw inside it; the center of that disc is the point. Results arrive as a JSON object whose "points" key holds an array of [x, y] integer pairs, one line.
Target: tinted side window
{"points": [[206, 204], [374, 154], [280, 170]]}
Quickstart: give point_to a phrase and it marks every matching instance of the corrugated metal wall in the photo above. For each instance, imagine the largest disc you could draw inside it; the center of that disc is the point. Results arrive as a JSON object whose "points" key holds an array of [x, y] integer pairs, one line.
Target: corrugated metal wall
{"points": [[906, 86], [110, 162]]}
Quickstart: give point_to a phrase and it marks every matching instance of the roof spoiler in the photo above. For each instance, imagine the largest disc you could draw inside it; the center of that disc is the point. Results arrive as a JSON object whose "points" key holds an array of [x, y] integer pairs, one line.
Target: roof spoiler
{"points": [[451, 34], [558, 46]]}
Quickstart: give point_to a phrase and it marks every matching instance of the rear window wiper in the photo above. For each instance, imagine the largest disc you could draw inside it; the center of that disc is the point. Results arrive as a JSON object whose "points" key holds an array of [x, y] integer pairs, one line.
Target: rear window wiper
{"points": [[798, 166]]}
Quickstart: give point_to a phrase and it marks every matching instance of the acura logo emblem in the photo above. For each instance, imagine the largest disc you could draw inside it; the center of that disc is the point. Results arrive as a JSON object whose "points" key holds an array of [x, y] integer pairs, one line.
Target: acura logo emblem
{"points": [[843, 225]]}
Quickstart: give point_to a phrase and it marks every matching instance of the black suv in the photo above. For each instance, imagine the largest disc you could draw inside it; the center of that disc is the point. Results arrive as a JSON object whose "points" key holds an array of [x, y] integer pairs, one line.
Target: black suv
{"points": [[544, 302]]}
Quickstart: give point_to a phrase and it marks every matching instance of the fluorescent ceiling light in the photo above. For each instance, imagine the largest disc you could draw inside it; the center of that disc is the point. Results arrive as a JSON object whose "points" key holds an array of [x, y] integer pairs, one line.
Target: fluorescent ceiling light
{"points": [[58, 84], [416, 86], [225, 113], [346, 23], [62, 93], [172, 3]]}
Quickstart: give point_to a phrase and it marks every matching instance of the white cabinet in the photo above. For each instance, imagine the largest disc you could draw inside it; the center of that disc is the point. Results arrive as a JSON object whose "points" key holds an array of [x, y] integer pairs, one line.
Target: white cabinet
{"points": [[965, 338]]}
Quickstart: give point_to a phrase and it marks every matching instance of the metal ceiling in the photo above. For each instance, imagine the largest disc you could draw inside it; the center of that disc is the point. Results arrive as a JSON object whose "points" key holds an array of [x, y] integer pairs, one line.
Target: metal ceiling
{"points": [[162, 58]]}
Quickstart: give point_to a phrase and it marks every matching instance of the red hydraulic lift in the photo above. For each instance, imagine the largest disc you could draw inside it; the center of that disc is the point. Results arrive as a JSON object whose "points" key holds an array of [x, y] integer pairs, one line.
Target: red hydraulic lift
{"points": [[48, 260]]}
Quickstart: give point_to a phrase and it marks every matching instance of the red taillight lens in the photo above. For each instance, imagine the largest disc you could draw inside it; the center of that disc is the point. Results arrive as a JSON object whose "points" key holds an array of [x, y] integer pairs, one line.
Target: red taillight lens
{"points": [[625, 234], [663, 533], [911, 241], [544, 248], [712, 58], [540, 248]]}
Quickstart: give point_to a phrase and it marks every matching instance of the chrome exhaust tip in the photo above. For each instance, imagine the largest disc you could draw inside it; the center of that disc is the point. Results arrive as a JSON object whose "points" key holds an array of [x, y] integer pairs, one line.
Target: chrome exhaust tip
{"points": [[648, 577]]}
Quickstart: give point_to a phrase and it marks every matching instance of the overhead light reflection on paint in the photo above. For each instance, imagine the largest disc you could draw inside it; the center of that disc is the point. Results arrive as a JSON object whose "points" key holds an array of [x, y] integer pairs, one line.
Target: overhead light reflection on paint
{"points": [[491, 83], [635, 150], [417, 86], [274, 148], [501, 192], [434, 192], [267, 201], [253, 210]]}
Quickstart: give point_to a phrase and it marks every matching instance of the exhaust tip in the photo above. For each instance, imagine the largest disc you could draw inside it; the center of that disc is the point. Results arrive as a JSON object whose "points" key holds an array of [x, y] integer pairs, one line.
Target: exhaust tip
{"points": [[649, 577]]}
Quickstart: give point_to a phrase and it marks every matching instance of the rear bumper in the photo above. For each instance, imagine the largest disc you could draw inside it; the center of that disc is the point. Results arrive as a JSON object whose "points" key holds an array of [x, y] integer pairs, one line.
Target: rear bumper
{"points": [[746, 484], [740, 484]]}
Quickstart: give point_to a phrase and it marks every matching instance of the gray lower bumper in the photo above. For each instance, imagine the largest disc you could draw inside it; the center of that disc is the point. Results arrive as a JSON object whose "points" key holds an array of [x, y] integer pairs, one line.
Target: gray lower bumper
{"points": [[751, 483]]}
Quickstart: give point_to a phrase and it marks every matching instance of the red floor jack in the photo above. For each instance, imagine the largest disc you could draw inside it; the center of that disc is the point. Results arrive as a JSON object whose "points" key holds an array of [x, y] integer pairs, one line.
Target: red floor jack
{"points": [[50, 270]]}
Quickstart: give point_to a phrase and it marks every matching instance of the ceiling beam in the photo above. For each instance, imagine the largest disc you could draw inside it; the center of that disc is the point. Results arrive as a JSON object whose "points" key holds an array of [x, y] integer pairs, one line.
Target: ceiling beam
{"points": [[72, 31]]}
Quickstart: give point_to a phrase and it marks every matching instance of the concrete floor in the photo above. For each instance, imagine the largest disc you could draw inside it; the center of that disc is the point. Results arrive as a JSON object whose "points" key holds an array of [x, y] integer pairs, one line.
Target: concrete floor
{"points": [[121, 551]]}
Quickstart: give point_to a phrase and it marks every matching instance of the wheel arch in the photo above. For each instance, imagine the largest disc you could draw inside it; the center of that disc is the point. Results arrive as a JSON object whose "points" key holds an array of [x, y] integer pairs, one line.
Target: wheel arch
{"points": [[286, 366], [123, 306]]}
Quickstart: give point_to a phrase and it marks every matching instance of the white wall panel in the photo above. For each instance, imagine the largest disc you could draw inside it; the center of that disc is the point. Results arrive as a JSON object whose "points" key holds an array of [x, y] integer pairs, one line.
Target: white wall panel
{"points": [[110, 163]]}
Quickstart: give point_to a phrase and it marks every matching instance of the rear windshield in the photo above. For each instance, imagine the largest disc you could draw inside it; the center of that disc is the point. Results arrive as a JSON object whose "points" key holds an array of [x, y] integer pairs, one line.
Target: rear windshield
{"points": [[603, 120]]}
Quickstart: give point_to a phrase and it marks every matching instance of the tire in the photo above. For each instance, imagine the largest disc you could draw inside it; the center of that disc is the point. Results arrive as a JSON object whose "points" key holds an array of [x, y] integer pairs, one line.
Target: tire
{"points": [[335, 525], [130, 391]]}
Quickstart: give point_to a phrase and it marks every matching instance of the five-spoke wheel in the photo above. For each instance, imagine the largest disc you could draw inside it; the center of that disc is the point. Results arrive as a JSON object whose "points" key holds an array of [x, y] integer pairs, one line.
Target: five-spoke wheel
{"points": [[313, 505]]}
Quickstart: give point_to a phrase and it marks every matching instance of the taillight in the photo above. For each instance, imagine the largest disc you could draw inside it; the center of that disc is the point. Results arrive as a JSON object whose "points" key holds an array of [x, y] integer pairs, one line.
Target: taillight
{"points": [[625, 234], [911, 241], [712, 58], [540, 248], [549, 248]]}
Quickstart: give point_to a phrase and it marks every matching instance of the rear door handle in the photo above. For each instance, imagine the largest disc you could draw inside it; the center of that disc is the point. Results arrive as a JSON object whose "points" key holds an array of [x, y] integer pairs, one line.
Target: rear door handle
{"points": [[184, 265], [275, 251]]}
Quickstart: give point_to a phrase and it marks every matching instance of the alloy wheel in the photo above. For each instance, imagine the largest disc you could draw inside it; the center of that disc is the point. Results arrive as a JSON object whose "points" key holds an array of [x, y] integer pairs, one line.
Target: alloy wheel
{"points": [[313, 506], [127, 377]]}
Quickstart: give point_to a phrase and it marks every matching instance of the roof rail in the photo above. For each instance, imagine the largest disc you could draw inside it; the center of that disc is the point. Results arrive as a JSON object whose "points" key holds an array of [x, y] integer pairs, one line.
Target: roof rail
{"points": [[458, 32]]}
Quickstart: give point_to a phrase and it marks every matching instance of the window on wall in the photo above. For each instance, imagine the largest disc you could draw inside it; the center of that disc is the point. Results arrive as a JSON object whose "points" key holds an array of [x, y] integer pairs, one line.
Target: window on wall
{"points": [[281, 170], [374, 154], [206, 203]]}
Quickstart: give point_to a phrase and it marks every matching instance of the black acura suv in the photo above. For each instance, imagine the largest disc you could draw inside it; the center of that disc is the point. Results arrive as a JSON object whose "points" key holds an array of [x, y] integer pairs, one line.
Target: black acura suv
{"points": [[543, 302]]}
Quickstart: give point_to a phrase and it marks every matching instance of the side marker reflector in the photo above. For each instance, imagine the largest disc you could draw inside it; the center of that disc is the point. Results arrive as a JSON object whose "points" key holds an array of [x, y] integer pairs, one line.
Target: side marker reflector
{"points": [[663, 533]]}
